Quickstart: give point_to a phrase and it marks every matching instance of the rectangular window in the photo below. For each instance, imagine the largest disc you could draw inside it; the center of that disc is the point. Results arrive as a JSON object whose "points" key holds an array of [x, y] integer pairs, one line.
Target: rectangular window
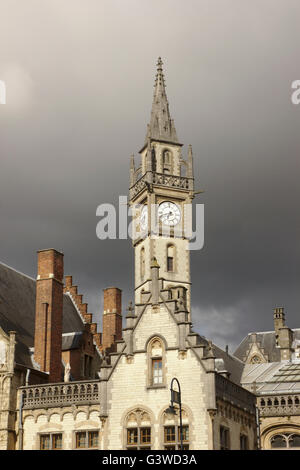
{"points": [[169, 433], [170, 263], [45, 442], [132, 436], [224, 438], [93, 439], [52, 441], [145, 435], [138, 438], [172, 439], [185, 433], [86, 439], [157, 373], [56, 441], [80, 440], [87, 365], [243, 442]]}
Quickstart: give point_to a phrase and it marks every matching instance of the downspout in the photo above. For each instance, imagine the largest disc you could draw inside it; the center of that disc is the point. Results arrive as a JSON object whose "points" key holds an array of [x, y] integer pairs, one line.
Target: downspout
{"points": [[27, 377], [21, 422], [257, 415], [20, 413]]}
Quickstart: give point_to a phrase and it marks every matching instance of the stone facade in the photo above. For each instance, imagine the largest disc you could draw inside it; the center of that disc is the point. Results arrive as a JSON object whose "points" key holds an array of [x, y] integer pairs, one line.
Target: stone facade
{"points": [[116, 389]]}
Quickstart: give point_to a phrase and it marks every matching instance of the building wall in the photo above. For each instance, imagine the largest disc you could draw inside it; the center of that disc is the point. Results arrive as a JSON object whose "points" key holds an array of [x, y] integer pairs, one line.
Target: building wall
{"points": [[238, 422], [65, 420], [129, 386]]}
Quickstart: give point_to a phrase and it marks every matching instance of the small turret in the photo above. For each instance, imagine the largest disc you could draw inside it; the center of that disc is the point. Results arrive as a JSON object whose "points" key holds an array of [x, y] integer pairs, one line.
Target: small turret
{"points": [[190, 166], [283, 334], [132, 170]]}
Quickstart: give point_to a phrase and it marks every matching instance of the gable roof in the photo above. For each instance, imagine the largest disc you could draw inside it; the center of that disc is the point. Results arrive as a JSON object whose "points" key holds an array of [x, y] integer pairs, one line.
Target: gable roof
{"points": [[267, 342], [231, 364], [17, 311]]}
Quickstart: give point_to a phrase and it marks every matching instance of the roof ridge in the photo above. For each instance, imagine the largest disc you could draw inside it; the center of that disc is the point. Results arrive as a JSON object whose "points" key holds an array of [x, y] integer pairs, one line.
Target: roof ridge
{"points": [[229, 354], [16, 271], [267, 332], [68, 294]]}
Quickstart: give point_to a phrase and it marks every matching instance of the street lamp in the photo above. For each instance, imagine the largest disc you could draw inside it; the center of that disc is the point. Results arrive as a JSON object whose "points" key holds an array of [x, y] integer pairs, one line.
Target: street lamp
{"points": [[176, 398]]}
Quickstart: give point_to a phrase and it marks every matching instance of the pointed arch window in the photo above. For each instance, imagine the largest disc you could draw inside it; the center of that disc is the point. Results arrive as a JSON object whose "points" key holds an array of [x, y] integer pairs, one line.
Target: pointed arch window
{"points": [[138, 432], [171, 431], [285, 441], [156, 359]]}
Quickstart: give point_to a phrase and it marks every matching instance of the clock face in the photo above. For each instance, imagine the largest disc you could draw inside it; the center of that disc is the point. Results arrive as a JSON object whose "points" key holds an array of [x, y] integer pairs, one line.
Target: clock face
{"points": [[144, 218], [169, 213]]}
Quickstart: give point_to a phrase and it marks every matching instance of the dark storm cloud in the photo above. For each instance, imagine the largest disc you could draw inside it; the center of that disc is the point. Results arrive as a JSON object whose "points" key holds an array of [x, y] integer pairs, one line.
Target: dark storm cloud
{"points": [[79, 79]]}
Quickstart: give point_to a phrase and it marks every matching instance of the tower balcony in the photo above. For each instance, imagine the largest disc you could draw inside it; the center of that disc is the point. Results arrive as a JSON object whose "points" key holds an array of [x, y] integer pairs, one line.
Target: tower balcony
{"points": [[162, 179]]}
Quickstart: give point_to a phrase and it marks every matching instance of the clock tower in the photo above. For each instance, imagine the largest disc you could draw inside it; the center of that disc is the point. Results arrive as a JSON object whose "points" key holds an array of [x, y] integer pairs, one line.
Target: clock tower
{"points": [[161, 193]]}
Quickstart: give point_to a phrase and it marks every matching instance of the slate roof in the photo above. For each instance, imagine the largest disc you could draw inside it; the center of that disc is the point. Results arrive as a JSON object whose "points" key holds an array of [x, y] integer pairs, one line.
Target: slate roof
{"points": [[17, 312], [272, 378], [71, 340], [232, 364], [161, 126], [267, 343]]}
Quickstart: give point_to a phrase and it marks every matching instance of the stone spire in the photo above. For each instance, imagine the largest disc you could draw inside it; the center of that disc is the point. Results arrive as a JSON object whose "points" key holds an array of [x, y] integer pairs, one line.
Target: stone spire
{"points": [[161, 125]]}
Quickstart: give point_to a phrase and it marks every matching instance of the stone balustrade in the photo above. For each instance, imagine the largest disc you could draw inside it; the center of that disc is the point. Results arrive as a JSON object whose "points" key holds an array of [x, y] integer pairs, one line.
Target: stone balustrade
{"points": [[279, 405], [162, 179], [172, 181], [61, 394], [233, 393]]}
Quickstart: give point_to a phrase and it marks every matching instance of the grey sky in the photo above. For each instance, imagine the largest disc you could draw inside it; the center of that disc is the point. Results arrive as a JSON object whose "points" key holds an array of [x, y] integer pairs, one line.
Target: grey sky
{"points": [[79, 78]]}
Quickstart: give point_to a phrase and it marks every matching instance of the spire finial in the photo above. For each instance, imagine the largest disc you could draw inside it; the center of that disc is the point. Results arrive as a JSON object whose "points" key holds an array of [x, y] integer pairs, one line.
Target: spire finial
{"points": [[161, 125], [159, 64]]}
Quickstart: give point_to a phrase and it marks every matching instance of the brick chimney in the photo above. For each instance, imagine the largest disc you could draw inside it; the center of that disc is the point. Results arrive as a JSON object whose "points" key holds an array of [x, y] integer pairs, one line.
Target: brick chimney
{"points": [[112, 317], [49, 313], [283, 334]]}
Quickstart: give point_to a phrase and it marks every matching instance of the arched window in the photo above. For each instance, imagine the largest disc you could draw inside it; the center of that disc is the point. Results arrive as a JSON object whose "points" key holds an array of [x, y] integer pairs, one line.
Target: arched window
{"points": [[156, 353], [171, 258], [171, 432], [255, 359], [286, 441], [137, 430], [167, 162], [142, 262], [278, 441]]}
